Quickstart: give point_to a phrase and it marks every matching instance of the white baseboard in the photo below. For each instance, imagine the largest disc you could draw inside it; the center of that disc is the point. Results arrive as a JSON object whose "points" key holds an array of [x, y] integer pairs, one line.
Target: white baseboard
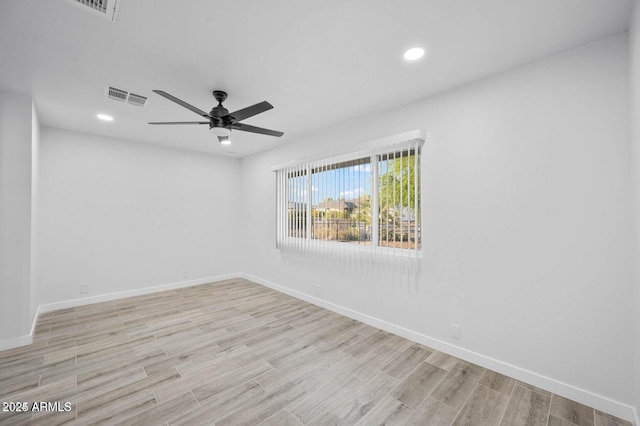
{"points": [[582, 396], [130, 293], [16, 342], [35, 321]]}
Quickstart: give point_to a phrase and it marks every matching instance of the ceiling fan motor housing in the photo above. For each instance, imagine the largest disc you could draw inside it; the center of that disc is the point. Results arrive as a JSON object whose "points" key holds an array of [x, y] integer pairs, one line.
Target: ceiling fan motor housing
{"points": [[219, 119]]}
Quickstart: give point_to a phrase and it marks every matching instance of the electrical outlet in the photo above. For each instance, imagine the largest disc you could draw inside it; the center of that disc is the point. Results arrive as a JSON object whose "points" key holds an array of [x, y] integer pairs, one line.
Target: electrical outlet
{"points": [[84, 288], [455, 331]]}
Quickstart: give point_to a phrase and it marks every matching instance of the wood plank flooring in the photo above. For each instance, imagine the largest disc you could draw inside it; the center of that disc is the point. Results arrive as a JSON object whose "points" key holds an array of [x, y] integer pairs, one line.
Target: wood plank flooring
{"points": [[236, 353]]}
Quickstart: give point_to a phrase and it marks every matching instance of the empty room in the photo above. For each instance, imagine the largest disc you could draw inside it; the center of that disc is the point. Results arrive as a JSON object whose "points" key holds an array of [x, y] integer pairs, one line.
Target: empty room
{"points": [[421, 212]]}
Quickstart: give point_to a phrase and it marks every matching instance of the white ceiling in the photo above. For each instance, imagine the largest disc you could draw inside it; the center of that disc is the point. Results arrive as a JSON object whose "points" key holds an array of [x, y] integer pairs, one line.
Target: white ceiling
{"points": [[319, 63]]}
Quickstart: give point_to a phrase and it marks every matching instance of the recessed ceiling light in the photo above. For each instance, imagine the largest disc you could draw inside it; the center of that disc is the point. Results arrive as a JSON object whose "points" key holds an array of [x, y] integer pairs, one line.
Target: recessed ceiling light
{"points": [[414, 53], [104, 117]]}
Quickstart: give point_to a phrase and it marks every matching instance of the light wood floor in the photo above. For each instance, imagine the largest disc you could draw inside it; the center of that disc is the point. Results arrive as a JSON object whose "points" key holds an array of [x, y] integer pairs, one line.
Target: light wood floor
{"points": [[236, 353]]}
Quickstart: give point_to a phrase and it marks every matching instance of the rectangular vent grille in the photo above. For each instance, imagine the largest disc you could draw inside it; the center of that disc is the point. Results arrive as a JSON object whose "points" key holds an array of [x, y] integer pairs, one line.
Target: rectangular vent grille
{"points": [[107, 9], [121, 95], [117, 94], [138, 100], [98, 5]]}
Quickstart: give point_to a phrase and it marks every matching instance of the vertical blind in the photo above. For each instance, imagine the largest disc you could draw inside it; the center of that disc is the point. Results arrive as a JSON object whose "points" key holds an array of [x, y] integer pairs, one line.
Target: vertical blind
{"points": [[368, 201]]}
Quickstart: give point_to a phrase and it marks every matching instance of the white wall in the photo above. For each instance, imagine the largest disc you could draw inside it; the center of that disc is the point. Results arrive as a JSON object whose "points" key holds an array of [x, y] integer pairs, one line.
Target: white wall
{"points": [[15, 218], [526, 223], [122, 215], [634, 36]]}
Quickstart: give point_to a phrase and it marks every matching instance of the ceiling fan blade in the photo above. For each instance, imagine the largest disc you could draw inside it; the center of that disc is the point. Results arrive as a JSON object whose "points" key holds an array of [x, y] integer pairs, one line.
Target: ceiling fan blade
{"points": [[178, 122], [247, 112], [254, 129], [182, 103]]}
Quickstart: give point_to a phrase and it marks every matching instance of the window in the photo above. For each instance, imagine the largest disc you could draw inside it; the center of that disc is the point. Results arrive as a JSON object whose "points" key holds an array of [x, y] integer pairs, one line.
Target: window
{"points": [[369, 200]]}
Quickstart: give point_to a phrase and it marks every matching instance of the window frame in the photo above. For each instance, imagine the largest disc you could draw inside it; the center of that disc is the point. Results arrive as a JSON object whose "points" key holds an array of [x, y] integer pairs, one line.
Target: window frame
{"points": [[410, 142]]}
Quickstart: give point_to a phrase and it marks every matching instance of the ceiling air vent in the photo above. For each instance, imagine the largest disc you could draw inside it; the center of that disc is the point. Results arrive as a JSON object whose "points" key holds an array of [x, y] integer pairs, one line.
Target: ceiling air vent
{"points": [[107, 9], [125, 96], [138, 100], [117, 94]]}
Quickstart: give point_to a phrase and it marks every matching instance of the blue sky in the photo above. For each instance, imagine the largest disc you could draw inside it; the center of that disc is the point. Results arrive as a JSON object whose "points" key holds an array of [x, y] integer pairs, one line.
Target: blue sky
{"points": [[346, 182]]}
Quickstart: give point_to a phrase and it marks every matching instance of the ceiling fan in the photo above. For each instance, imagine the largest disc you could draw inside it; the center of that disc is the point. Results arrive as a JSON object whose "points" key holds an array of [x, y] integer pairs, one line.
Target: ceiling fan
{"points": [[220, 120]]}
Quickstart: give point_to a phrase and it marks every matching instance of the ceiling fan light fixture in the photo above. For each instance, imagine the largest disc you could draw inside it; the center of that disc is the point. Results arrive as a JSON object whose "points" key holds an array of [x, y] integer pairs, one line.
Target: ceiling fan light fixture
{"points": [[224, 140], [220, 131]]}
